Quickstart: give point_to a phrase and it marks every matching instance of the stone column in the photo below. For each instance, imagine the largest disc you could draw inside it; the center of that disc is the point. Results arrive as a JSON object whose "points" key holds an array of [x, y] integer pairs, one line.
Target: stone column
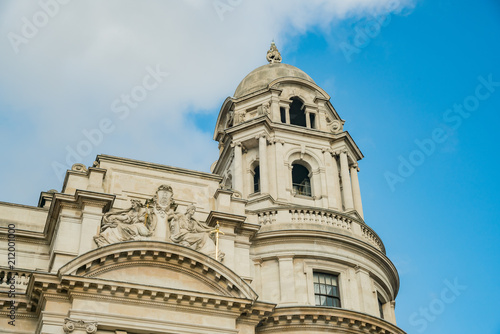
{"points": [[272, 168], [280, 170], [367, 295], [275, 108], [314, 125], [346, 182], [91, 224], [336, 182], [356, 193], [308, 118], [257, 282], [329, 174], [238, 169], [264, 172], [321, 116], [92, 207], [391, 315], [287, 114], [324, 186]]}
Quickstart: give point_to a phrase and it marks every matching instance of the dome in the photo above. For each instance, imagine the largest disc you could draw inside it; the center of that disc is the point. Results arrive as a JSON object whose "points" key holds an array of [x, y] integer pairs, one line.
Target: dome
{"points": [[261, 77]]}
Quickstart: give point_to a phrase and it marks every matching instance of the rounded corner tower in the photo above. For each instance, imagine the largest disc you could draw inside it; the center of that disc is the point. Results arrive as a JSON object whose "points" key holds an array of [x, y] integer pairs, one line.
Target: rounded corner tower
{"points": [[287, 161]]}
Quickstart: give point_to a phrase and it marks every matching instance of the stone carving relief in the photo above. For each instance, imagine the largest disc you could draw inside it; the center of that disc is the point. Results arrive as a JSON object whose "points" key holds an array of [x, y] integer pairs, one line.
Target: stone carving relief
{"points": [[125, 225], [163, 208], [79, 167], [189, 232], [70, 325], [239, 117], [336, 126], [229, 119], [157, 219], [263, 109], [273, 55]]}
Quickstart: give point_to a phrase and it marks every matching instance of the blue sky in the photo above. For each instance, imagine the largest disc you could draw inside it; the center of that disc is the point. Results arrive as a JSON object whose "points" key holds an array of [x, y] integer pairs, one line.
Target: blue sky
{"points": [[396, 73]]}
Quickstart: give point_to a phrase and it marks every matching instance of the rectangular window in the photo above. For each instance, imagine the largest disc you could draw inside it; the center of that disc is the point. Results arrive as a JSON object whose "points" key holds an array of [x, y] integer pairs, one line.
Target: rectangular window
{"points": [[313, 120], [256, 180], [283, 115], [326, 289], [381, 308]]}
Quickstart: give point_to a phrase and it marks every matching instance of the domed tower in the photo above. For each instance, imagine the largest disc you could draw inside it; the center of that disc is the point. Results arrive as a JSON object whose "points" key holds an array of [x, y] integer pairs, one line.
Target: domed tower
{"points": [[285, 156]]}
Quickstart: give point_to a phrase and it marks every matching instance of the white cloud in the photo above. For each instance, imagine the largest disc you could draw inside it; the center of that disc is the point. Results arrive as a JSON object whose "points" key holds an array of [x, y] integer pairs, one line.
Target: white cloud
{"points": [[65, 78]]}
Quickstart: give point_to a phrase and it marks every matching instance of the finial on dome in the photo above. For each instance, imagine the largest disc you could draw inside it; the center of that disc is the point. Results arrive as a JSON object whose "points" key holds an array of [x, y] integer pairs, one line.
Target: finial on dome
{"points": [[273, 55]]}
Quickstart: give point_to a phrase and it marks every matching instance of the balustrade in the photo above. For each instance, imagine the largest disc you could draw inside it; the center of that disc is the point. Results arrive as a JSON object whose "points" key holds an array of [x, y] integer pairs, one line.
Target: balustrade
{"points": [[311, 216]]}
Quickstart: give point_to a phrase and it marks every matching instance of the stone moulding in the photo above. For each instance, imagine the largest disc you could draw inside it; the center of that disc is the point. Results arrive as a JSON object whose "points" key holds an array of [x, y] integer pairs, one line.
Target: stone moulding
{"points": [[321, 319], [88, 264], [69, 288], [103, 158], [156, 251]]}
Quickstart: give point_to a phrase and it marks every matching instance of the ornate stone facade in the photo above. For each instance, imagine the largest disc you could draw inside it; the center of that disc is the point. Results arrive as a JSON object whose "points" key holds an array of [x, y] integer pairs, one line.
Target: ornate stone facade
{"points": [[272, 241]]}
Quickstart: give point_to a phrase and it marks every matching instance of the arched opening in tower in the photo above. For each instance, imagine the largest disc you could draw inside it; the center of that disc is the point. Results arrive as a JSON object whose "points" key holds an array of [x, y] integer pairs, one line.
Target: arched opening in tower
{"points": [[297, 114], [300, 180]]}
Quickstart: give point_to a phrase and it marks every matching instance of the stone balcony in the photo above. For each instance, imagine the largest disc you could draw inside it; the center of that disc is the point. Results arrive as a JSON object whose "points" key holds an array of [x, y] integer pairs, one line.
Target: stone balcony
{"points": [[315, 319], [317, 219]]}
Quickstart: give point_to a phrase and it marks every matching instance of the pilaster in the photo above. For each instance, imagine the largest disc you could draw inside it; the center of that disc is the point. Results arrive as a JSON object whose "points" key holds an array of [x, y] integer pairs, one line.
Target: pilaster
{"points": [[263, 164], [287, 279], [346, 182], [237, 167], [355, 189]]}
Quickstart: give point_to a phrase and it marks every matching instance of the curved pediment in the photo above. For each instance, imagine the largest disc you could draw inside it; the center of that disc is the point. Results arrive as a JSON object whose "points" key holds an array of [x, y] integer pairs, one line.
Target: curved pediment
{"points": [[160, 264], [300, 81]]}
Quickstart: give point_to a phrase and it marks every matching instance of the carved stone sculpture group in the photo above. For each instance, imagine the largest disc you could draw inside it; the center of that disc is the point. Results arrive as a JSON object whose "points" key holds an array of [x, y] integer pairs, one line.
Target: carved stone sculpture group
{"points": [[157, 219]]}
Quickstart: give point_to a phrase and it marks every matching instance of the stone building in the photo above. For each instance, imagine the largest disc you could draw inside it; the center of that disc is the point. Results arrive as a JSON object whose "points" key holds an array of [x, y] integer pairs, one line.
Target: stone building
{"points": [[272, 241]]}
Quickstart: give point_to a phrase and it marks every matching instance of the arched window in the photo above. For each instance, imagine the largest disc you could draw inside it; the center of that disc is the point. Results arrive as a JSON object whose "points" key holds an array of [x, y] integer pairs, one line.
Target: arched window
{"points": [[297, 114], [256, 179], [300, 180]]}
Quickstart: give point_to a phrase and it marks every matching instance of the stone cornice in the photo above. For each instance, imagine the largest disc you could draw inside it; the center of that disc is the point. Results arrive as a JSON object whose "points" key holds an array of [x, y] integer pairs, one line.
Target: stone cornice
{"points": [[222, 191], [45, 286], [301, 81], [262, 120], [30, 237], [235, 221], [164, 254], [226, 105], [175, 170], [29, 207], [325, 319], [351, 145]]}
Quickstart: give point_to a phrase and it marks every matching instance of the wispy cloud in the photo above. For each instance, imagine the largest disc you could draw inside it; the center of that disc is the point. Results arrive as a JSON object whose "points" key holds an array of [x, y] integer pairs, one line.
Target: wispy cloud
{"points": [[64, 79]]}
